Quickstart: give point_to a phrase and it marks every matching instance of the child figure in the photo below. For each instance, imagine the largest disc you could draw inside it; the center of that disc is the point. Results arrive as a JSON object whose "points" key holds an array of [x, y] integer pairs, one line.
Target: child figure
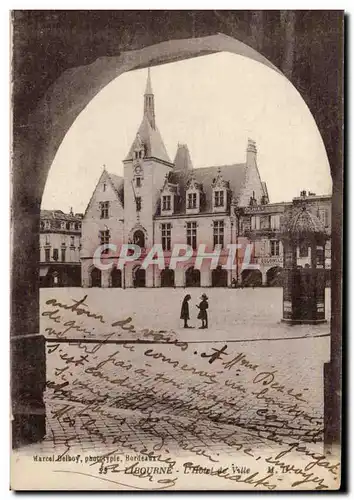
{"points": [[185, 310], [203, 315]]}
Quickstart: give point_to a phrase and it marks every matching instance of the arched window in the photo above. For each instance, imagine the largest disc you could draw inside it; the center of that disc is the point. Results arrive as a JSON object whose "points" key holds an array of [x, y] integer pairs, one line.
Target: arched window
{"points": [[139, 238]]}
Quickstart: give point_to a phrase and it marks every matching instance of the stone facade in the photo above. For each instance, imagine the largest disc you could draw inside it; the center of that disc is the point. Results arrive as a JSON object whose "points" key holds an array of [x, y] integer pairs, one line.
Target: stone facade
{"points": [[159, 201], [60, 244]]}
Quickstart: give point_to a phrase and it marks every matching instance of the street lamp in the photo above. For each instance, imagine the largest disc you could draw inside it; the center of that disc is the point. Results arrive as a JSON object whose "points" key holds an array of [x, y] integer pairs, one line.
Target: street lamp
{"points": [[237, 212]]}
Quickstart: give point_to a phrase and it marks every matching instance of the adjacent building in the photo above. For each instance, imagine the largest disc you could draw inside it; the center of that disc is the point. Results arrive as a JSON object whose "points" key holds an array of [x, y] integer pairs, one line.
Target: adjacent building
{"points": [[263, 225], [169, 202], [60, 245]]}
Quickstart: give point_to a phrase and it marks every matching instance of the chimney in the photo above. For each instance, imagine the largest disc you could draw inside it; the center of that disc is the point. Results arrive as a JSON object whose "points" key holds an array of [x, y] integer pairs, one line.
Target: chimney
{"points": [[183, 159], [251, 152]]}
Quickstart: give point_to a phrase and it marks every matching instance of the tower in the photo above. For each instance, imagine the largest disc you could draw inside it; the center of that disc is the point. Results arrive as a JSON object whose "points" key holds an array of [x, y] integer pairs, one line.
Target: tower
{"points": [[145, 169]]}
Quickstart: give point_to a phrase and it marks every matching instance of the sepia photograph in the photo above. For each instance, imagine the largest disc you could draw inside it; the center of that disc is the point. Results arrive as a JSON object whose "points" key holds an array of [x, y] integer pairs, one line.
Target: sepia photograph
{"points": [[176, 250]]}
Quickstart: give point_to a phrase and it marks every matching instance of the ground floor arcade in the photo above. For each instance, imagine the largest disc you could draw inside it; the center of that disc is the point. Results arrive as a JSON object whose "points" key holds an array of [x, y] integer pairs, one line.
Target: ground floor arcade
{"points": [[135, 276]]}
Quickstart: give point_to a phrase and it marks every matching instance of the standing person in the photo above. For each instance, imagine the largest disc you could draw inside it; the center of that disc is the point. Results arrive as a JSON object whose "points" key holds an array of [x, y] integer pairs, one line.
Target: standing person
{"points": [[185, 310], [203, 315]]}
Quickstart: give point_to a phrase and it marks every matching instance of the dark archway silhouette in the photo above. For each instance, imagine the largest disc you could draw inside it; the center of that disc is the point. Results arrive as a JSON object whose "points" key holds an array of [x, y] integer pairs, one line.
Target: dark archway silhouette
{"points": [[167, 278], [116, 278], [139, 277], [219, 277], [57, 96], [96, 277], [251, 278], [275, 276], [192, 277]]}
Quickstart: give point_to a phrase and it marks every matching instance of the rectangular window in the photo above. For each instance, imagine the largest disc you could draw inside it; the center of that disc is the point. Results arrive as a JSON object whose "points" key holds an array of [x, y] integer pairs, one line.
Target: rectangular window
{"points": [[166, 203], [320, 257], [166, 236], [274, 248], [219, 198], [255, 222], [104, 239], [63, 254], [138, 182], [104, 207], [192, 234], [265, 222], [55, 254], [47, 254], [218, 231], [192, 200], [303, 249], [275, 221], [72, 241], [138, 203], [47, 240]]}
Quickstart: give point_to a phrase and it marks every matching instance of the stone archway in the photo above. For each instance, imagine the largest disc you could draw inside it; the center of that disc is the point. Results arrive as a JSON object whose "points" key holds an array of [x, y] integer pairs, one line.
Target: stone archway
{"points": [[219, 277], [167, 277], [139, 277], [95, 278], [192, 277], [275, 276], [116, 278], [40, 124], [251, 278]]}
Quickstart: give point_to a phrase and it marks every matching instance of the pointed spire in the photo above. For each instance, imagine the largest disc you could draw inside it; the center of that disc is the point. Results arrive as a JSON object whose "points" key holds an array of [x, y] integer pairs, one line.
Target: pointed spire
{"points": [[148, 90], [149, 104]]}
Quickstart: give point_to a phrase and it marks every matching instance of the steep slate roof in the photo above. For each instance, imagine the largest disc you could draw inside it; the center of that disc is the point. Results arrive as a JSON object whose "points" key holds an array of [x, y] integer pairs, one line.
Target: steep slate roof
{"points": [[118, 184], [234, 174], [152, 140]]}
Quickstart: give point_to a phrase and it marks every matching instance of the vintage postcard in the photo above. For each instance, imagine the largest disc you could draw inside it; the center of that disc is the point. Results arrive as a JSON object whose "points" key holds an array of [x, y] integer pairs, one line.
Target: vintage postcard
{"points": [[176, 250]]}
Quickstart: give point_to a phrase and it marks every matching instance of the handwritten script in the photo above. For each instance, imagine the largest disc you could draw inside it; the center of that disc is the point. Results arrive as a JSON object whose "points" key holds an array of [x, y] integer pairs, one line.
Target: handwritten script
{"points": [[154, 409]]}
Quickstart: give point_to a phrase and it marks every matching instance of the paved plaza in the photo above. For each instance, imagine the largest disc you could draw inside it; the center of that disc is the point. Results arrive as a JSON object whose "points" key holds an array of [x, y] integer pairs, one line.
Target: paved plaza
{"points": [[249, 382], [247, 321]]}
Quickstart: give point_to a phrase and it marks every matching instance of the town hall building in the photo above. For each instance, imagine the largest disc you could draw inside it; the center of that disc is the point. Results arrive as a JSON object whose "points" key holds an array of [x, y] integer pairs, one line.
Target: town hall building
{"points": [[169, 202]]}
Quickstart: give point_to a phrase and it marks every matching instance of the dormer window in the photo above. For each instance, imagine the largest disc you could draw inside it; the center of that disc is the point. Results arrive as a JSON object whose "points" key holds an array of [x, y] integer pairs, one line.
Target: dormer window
{"points": [[194, 190], [219, 198], [220, 191], [166, 202], [169, 192], [192, 200]]}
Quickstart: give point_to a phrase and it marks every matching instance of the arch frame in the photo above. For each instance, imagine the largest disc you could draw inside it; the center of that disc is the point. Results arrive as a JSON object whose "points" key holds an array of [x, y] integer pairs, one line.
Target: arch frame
{"points": [[29, 136]]}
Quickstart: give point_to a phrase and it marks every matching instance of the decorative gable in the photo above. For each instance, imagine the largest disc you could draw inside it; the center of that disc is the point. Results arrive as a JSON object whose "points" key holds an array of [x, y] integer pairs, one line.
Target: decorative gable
{"points": [[169, 192], [194, 192], [220, 189]]}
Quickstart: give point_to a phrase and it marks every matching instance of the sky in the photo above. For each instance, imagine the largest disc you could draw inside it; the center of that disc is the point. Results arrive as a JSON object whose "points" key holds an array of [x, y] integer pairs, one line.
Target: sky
{"points": [[213, 104]]}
